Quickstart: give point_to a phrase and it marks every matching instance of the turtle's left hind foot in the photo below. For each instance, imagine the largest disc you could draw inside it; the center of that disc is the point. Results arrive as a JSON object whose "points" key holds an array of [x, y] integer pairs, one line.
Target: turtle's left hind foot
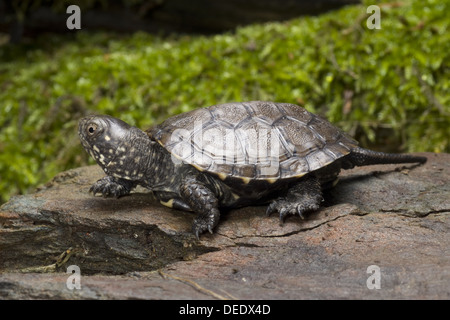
{"points": [[204, 202], [302, 197]]}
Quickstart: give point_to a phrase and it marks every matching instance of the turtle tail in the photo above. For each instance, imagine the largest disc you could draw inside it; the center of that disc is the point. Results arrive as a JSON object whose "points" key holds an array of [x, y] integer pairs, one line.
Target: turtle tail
{"points": [[364, 157]]}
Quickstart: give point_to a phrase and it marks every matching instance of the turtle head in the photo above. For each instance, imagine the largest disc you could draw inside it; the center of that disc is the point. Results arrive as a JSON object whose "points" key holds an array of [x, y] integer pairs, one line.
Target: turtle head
{"points": [[105, 138]]}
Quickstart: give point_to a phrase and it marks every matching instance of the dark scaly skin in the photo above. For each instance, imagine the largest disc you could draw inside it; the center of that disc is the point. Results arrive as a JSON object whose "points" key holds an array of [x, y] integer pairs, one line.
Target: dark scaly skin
{"points": [[130, 158], [202, 200], [365, 157], [304, 196]]}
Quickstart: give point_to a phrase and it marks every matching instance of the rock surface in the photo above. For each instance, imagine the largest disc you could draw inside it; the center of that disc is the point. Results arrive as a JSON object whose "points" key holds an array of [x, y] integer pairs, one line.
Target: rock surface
{"points": [[393, 216]]}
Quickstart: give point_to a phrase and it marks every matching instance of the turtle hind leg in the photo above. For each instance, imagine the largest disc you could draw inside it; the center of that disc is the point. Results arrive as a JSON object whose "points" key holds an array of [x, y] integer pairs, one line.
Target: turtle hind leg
{"points": [[204, 202], [304, 196]]}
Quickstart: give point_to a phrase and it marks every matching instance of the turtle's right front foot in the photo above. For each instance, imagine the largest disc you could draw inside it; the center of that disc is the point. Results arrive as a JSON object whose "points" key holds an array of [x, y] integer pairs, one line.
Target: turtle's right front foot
{"points": [[204, 202], [205, 222], [112, 187]]}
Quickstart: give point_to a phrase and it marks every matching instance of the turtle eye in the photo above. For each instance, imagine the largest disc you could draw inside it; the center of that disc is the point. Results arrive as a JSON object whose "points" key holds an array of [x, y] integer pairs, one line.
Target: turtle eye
{"points": [[92, 128]]}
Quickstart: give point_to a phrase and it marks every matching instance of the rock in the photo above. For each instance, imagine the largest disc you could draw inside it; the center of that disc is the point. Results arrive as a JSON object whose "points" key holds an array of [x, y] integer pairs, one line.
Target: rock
{"points": [[394, 217]]}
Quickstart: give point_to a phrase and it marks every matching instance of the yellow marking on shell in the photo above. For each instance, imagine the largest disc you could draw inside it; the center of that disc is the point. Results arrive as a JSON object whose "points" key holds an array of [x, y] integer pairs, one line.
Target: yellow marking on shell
{"points": [[222, 176], [297, 175], [246, 180], [168, 203], [194, 165], [271, 180]]}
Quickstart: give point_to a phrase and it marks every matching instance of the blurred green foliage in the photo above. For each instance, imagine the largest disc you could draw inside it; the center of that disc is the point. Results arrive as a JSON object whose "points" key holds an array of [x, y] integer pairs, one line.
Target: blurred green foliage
{"points": [[388, 87]]}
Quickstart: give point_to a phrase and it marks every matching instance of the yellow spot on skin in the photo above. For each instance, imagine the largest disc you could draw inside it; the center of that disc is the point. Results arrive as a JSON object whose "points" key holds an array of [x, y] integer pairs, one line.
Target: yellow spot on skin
{"points": [[96, 148], [335, 182], [107, 138], [168, 203]]}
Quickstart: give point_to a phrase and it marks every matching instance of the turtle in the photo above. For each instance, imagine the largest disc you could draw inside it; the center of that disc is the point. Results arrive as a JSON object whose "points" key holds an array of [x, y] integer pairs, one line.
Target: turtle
{"points": [[228, 156]]}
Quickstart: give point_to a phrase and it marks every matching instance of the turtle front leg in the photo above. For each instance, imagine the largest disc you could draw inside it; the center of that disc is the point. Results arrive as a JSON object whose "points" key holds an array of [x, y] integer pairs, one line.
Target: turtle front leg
{"points": [[112, 187], [204, 202], [306, 195]]}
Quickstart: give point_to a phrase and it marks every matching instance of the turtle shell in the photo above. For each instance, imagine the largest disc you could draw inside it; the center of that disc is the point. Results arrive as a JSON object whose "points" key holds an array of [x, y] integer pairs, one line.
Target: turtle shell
{"points": [[253, 140]]}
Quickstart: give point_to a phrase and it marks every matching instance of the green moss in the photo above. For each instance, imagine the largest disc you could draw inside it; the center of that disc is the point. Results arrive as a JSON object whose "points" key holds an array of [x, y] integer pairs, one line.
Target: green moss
{"points": [[388, 86]]}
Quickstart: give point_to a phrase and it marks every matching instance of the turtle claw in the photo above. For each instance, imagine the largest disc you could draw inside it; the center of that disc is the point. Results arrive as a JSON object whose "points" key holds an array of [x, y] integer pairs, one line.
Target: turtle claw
{"points": [[299, 211], [283, 214], [111, 187], [199, 228], [286, 209], [271, 208], [203, 223]]}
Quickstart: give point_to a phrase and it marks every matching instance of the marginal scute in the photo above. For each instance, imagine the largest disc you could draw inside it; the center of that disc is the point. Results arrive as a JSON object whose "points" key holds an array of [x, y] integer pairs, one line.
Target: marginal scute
{"points": [[253, 140], [248, 170], [318, 159]]}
